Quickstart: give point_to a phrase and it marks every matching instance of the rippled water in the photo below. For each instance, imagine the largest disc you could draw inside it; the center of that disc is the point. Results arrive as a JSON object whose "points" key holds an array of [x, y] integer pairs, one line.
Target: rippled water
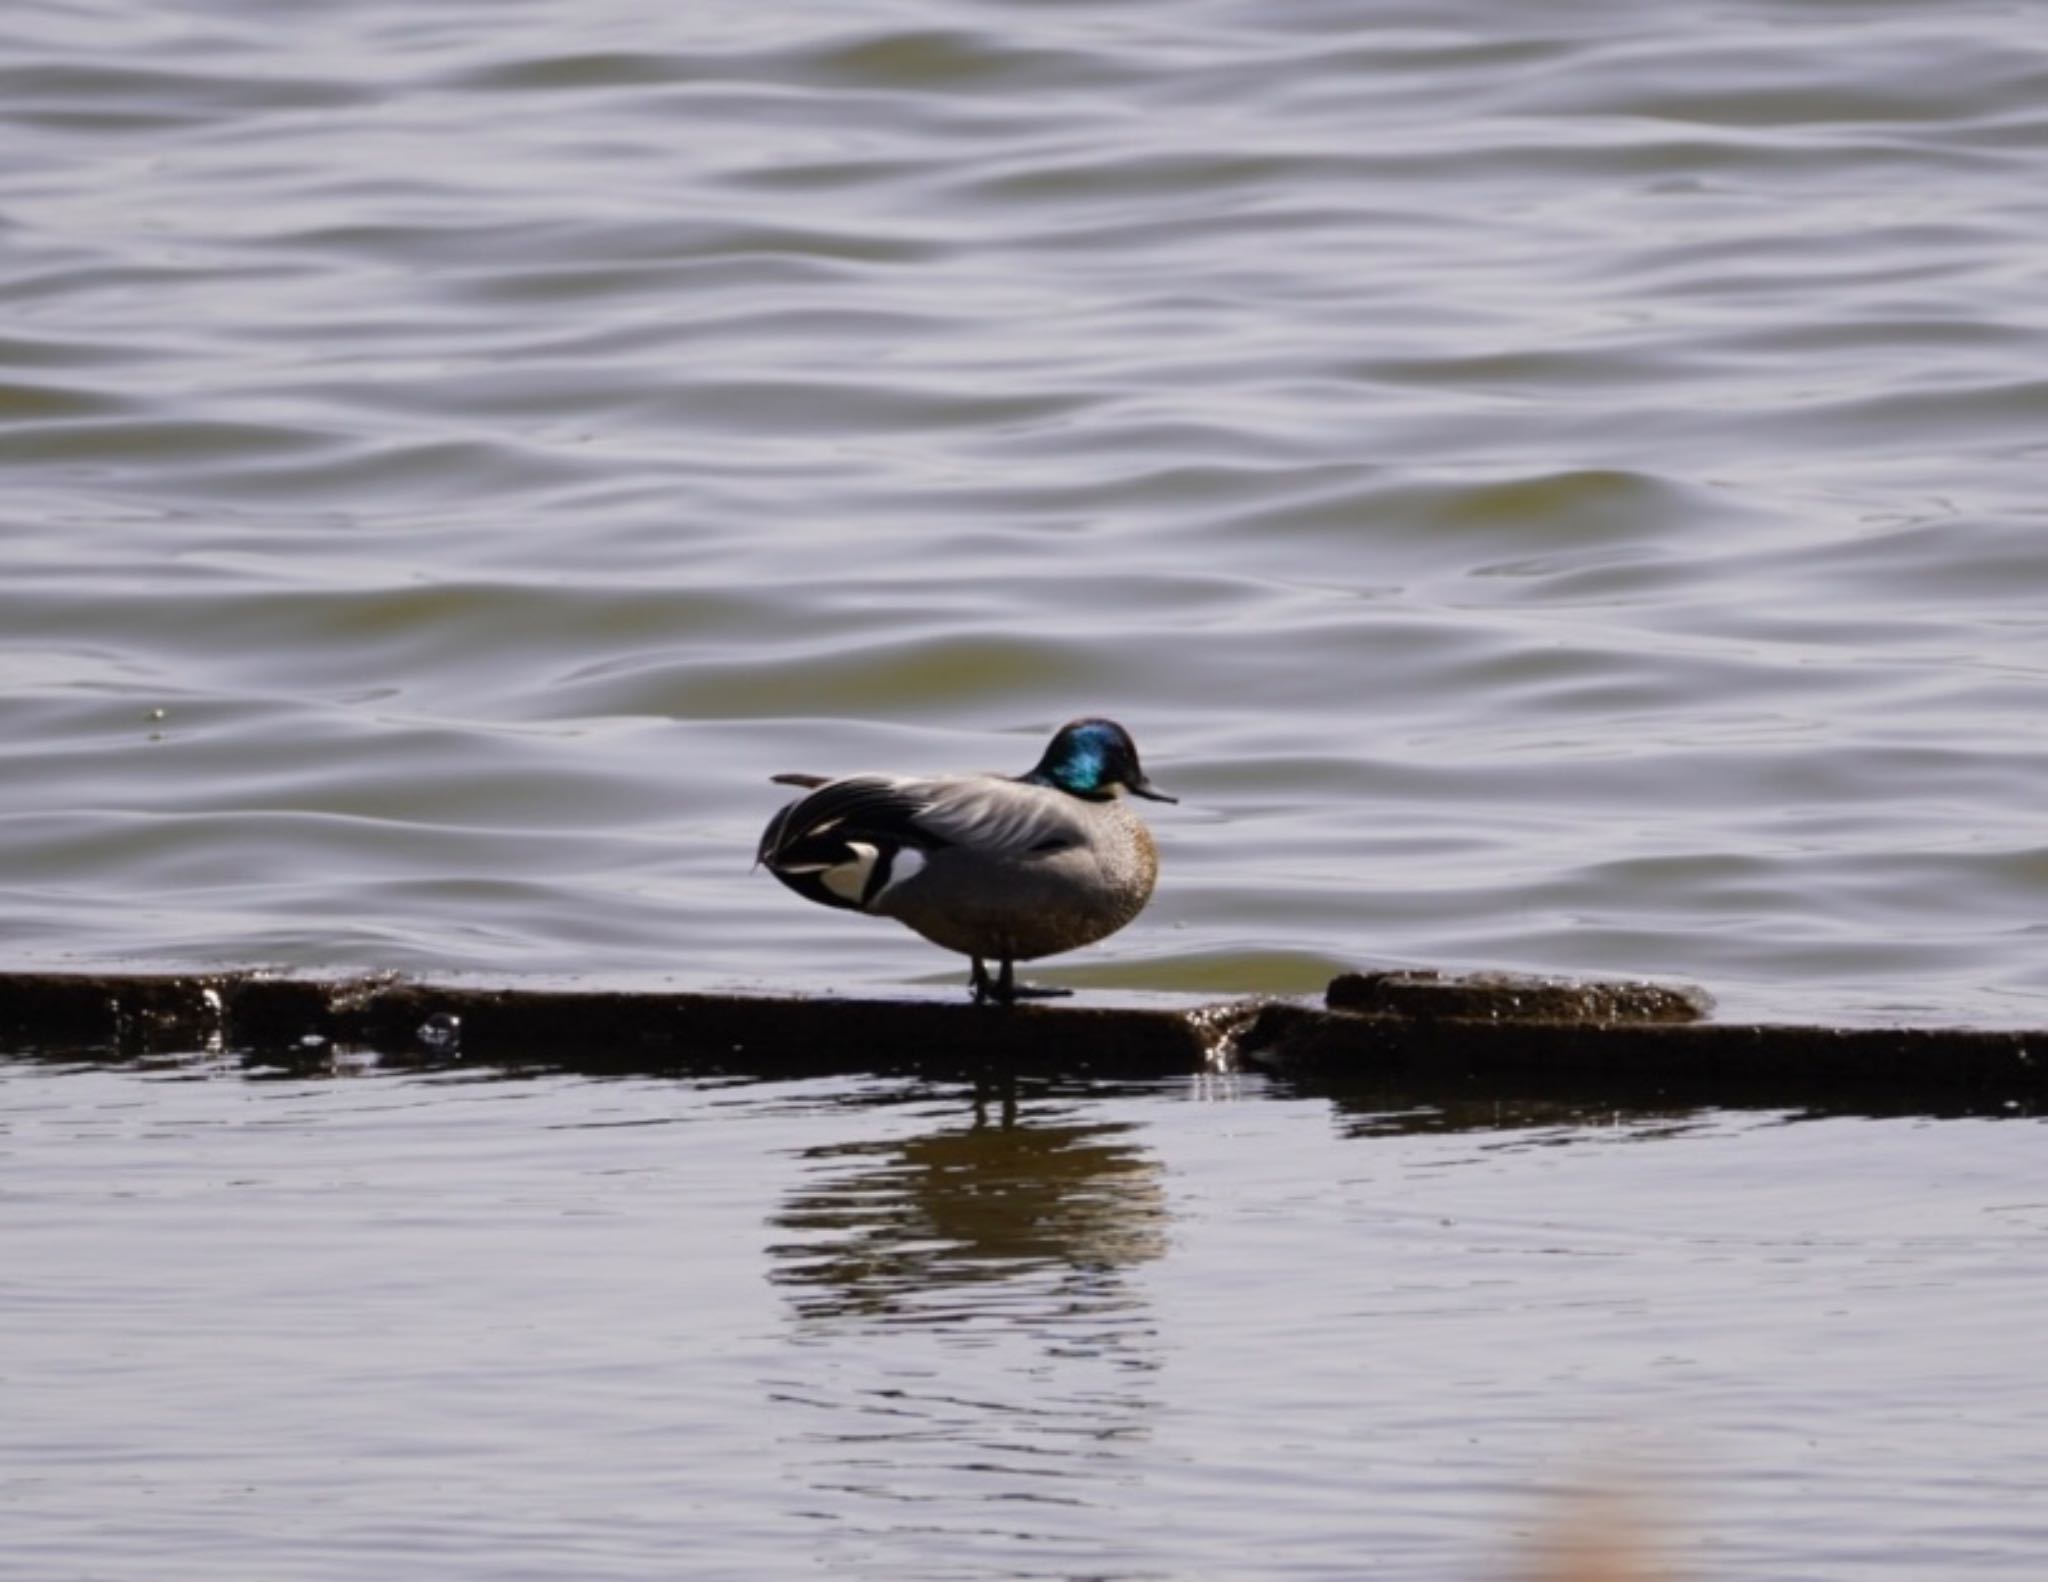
{"points": [[1552, 487], [475, 1327]]}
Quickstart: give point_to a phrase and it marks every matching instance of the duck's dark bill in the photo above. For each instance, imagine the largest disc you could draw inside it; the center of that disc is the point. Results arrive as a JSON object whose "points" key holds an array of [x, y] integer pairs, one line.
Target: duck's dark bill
{"points": [[1144, 788]]}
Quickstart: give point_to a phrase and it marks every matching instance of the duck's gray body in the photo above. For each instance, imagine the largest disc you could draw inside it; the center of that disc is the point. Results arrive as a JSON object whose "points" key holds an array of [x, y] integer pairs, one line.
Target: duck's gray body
{"points": [[999, 869]]}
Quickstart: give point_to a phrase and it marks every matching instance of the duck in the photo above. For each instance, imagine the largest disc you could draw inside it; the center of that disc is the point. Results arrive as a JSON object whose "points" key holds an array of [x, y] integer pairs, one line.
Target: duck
{"points": [[999, 868]]}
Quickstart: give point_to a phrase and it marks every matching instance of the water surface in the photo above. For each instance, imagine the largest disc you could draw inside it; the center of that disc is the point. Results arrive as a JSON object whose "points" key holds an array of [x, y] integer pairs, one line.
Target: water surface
{"points": [[1550, 488], [267, 1323]]}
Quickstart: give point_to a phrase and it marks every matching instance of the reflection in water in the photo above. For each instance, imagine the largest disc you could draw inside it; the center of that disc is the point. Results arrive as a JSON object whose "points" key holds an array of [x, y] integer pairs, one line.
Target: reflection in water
{"points": [[1519, 1119], [1034, 1217], [1568, 1110], [1009, 1239]]}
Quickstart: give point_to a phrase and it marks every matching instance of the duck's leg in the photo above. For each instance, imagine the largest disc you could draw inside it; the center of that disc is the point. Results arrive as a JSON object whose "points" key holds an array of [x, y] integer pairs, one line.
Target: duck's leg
{"points": [[1004, 988], [1009, 989]]}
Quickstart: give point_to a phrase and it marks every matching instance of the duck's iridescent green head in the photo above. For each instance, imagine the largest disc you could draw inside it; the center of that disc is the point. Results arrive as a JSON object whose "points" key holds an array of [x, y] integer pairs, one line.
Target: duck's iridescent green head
{"points": [[1094, 759]]}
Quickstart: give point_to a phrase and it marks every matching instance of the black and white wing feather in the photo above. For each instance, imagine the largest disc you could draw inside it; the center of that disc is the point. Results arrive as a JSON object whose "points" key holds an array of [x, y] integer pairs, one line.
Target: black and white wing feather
{"points": [[849, 840], [845, 842]]}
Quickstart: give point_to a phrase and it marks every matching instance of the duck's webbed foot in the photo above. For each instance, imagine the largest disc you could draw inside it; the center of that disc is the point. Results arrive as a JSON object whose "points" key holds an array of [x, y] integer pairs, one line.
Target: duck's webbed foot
{"points": [[1004, 988]]}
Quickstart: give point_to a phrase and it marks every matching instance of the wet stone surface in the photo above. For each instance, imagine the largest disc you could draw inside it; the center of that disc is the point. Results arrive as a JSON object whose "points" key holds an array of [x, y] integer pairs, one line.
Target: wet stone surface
{"points": [[1482, 1033], [1516, 997]]}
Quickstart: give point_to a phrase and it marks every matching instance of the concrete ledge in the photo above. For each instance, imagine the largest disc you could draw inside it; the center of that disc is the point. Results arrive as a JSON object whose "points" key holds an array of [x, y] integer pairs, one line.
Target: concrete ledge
{"points": [[1515, 997], [1470, 1038], [1696, 1062], [601, 1030]]}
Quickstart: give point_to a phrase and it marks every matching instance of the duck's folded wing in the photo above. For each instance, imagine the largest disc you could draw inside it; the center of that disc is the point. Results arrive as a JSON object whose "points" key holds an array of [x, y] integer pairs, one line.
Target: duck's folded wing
{"points": [[816, 831], [996, 817], [1003, 818], [845, 843]]}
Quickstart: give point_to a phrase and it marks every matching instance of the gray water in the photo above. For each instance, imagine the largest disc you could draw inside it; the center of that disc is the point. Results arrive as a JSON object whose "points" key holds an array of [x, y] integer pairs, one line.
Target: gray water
{"points": [[1550, 487], [463, 1326]]}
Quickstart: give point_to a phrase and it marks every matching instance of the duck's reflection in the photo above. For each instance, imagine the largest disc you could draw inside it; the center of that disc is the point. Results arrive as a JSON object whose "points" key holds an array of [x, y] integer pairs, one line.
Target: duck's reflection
{"points": [[973, 1359], [1033, 1216]]}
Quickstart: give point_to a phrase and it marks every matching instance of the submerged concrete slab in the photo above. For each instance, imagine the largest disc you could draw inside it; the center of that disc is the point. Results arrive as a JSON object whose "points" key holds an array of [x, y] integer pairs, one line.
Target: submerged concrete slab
{"points": [[1691, 1062], [1515, 997], [604, 1030], [1468, 1038]]}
